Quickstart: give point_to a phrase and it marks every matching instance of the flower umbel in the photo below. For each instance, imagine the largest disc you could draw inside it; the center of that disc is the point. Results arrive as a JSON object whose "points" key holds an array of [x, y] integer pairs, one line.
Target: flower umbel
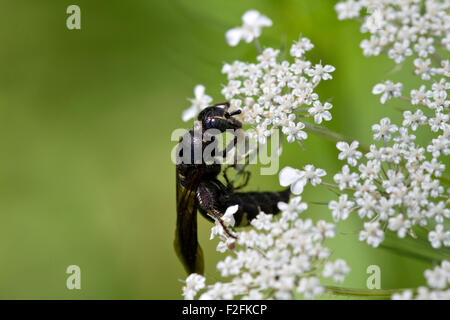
{"points": [[280, 257], [252, 23]]}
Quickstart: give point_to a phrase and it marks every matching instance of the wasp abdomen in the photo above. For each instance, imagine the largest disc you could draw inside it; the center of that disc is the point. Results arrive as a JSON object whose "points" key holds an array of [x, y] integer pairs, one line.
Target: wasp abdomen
{"points": [[252, 203]]}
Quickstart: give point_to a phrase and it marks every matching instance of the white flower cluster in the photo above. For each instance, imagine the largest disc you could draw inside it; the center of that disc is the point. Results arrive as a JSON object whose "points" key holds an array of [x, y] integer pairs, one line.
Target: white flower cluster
{"points": [[438, 281], [397, 186], [275, 93], [272, 93], [400, 27], [280, 257]]}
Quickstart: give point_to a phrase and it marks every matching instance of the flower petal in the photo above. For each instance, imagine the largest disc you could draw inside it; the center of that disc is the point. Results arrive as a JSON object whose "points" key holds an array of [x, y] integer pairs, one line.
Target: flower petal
{"points": [[288, 176], [233, 36], [297, 186], [199, 90], [232, 210], [250, 17], [189, 113], [379, 88]]}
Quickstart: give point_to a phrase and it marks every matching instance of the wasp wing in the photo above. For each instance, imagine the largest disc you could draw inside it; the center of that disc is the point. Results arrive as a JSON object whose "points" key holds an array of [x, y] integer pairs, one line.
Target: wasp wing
{"points": [[186, 245]]}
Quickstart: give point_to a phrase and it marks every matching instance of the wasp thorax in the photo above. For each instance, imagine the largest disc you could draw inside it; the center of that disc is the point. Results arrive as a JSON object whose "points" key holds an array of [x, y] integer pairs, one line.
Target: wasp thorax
{"points": [[217, 117]]}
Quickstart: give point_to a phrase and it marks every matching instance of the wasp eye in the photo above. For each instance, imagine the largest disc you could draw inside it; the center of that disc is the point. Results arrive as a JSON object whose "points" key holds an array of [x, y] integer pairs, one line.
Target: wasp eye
{"points": [[227, 115], [210, 123]]}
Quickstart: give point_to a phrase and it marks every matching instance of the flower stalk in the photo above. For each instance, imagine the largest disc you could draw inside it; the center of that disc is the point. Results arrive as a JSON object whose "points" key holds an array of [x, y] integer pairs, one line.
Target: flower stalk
{"points": [[362, 293], [330, 134]]}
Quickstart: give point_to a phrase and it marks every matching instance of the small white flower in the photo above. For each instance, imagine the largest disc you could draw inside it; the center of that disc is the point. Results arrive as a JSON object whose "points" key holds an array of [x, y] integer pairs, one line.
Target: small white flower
{"points": [[229, 266], [399, 51], [439, 236], [200, 102], [384, 129], [292, 177], [300, 47], [349, 152], [313, 175], [374, 22], [262, 221], [228, 217], [320, 72], [346, 178], [369, 170], [437, 278], [194, 283], [404, 295], [438, 211], [253, 22], [388, 89], [225, 244], [372, 234], [294, 131], [423, 68], [310, 287], [372, 46], [231, 89], [254, 295], [336, 270], [297, 179], [421, 96], [424, 46], [327, 230], [342, 208], [320, 112], [227, 220], [399, 224], [291, 210], [219, 291], [438, 146], [366, 205], [348, 9]]}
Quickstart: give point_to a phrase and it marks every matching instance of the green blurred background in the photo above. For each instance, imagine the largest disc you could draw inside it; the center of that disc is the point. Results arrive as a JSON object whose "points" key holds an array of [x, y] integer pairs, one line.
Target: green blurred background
{"points": [[86, 118]]}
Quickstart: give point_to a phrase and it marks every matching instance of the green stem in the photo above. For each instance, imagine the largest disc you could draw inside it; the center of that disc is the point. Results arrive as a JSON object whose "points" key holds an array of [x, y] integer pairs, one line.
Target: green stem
{"points": [[415, 248], [330, 134], [257, 46], [352, 292], [408, 253], [317, 202]]}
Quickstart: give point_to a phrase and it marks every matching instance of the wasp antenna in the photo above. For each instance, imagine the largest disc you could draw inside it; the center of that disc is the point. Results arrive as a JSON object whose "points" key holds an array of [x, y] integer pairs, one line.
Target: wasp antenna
{"points": [[235, 112]]}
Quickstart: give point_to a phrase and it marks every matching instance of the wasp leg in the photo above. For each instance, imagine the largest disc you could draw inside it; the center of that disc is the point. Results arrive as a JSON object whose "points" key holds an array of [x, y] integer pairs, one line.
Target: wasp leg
{"points": [[229, 147], [225, 175], [207, 196], [246, 179], [228, 181]]}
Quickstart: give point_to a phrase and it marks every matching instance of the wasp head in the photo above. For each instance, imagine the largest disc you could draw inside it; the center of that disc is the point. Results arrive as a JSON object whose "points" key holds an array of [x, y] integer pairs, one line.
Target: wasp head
{"points": [[218, 117]]}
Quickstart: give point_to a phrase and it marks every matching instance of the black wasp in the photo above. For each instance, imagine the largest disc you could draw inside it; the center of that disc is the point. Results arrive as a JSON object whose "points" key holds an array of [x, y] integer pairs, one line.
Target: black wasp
{"points": [[198, 187]]}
